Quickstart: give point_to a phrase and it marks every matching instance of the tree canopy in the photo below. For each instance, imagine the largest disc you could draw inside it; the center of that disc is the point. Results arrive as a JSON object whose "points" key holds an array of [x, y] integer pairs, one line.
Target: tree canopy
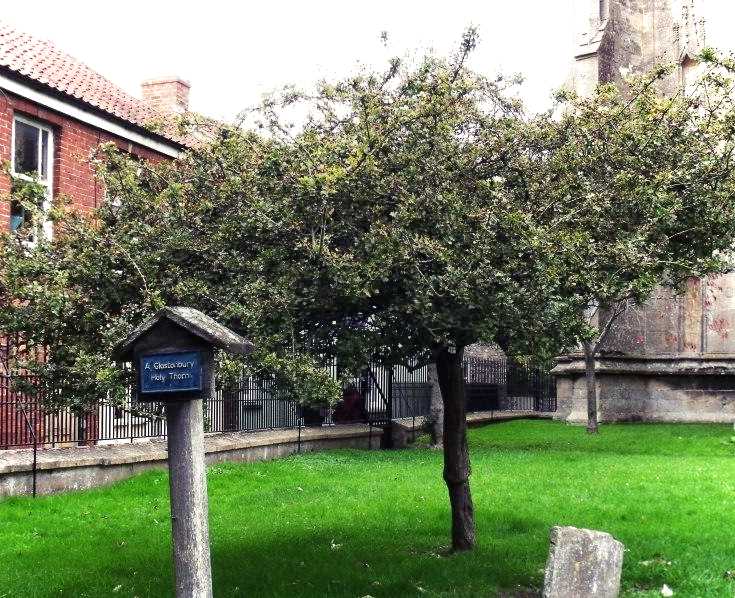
{"points": [[411, 213], [381, 226], [641, 188]]}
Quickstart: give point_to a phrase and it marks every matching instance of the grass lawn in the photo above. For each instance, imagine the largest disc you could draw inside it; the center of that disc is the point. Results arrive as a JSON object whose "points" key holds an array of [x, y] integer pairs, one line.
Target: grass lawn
{"points": [[351, 523]]}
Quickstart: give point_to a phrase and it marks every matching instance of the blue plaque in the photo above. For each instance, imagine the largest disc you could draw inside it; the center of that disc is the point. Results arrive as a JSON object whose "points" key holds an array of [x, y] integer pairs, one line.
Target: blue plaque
{"points": [[171, 372]]}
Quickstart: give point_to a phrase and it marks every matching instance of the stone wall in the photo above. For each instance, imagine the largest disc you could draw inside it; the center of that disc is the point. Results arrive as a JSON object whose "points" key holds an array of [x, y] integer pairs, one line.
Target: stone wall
{"points": [[649, 389], [671, 359], [697, 322], [80, 468], [635, 36]]}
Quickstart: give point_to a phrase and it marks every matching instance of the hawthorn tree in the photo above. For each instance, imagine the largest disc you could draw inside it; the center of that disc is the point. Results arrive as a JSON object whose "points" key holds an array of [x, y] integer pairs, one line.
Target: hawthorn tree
{"points": [[413, 212], [167, 235], [642, 188], [417, 220], [387, 225]]}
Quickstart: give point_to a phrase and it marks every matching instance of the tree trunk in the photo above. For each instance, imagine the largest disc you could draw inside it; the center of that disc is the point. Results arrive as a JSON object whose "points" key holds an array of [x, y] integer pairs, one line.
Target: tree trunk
{"points": [[589, 366], [435, 420], [456, 455]]}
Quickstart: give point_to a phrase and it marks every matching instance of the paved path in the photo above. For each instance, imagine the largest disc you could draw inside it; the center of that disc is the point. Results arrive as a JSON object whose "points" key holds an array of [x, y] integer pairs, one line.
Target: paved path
{"points": [[484, 417], [12, 461]]}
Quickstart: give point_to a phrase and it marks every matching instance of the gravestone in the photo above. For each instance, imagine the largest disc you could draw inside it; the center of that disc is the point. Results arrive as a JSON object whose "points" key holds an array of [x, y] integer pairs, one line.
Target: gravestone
{"points": [[173, 357], [583, 564]]}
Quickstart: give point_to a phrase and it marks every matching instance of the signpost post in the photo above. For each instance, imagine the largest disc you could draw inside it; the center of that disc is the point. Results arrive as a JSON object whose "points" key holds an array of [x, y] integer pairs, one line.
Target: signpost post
{"points": [[173, 357]]}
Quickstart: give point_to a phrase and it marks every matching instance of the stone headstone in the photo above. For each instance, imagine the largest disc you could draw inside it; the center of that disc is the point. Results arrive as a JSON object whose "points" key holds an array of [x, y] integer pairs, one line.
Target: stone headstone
{"points": [[583, 563]]}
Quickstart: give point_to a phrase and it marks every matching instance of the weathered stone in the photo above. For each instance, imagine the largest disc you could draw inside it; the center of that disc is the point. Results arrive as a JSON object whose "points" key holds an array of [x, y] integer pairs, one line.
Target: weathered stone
{"points": [[650, 388], [196, 323], [78, 468], [583, 564], [628, 36], [402, 433]]}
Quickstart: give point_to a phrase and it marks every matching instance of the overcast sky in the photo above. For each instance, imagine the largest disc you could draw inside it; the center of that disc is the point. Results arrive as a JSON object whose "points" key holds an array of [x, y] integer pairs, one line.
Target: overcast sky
{"points": [[234, 51]]}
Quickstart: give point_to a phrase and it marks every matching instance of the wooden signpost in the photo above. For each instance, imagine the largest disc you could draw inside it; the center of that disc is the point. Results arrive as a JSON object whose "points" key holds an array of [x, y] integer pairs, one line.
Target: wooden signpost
{"points": [[173, 357]]}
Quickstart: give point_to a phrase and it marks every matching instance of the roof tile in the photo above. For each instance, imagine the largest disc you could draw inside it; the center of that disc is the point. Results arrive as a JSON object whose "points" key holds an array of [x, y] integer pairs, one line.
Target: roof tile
{"points": [[42, 62]]}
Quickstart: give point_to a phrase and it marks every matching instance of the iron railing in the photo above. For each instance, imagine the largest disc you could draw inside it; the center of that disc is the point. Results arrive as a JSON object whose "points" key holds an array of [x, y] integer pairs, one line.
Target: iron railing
{"points": [[377, 395]]}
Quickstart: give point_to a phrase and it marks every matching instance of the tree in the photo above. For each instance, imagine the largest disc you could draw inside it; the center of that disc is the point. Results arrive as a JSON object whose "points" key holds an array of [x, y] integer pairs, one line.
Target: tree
{"points": [[159, 240], [387, 225], [411, 174], [642, 187]]}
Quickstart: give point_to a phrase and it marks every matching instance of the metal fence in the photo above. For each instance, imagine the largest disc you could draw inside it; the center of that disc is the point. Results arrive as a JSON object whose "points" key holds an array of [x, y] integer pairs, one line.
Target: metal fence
{"points": [[375, 396], [25, 420]]}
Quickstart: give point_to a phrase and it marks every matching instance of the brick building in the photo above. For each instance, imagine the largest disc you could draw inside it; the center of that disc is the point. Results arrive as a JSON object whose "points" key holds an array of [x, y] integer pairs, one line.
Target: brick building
{"points": [[54, 110]]}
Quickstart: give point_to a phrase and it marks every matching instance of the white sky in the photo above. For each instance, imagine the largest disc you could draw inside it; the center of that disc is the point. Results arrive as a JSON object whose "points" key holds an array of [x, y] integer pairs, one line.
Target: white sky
{"points": [[234, 51]]}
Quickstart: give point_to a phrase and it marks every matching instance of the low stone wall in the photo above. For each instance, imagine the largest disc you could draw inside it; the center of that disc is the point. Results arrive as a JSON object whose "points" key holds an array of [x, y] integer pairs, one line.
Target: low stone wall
{"points": [[652, 389], [88, 467]]}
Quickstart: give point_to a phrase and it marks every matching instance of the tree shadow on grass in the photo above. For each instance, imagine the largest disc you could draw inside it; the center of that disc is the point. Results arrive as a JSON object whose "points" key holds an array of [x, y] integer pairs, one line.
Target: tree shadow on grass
{"points": [[358, 558], [375, 560]]}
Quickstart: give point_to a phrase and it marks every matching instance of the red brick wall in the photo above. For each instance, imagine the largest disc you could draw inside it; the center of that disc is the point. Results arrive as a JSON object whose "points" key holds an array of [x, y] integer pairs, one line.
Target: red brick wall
{"points": [[167, 95], [73, 144], [18, 413]]}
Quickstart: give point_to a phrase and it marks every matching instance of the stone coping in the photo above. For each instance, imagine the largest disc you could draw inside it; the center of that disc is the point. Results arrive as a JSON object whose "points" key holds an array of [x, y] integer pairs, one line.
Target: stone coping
{"points": [[13, 461], [155, 450], [650, 365], [485, 417]]}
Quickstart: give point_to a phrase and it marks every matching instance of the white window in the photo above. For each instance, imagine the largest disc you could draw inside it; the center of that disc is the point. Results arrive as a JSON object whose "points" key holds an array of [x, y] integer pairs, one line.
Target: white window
{"points": [[604, 10], [32, 161]]}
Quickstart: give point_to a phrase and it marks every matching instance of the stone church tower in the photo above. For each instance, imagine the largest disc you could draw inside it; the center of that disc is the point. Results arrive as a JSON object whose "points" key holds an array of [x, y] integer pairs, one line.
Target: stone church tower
{"points": [[672, 359], [629, 36]]}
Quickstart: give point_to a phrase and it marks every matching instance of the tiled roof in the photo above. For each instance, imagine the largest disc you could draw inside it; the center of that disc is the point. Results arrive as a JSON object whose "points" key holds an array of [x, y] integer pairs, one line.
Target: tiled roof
{"points": [[44, 63]]}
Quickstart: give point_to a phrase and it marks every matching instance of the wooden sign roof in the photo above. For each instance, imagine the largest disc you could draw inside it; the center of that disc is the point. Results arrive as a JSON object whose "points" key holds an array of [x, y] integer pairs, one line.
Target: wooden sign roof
{"points": [[195, 322]]}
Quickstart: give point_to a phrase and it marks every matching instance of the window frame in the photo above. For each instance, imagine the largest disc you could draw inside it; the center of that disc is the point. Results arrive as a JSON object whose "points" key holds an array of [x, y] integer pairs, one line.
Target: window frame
{"points": [[46, 227]]}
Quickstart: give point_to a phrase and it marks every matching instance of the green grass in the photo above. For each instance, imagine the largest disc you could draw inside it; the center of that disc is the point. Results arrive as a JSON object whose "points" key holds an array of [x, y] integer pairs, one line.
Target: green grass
{"points": [[351, 523]]}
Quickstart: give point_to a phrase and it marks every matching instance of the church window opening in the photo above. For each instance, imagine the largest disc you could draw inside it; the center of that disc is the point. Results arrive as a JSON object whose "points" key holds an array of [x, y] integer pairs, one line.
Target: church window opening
{"points": [[604, 9]]}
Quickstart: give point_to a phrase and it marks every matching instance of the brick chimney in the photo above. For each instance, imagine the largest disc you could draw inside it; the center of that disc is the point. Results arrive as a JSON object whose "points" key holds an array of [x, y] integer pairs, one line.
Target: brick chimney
{"points": [[170, 94]]}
